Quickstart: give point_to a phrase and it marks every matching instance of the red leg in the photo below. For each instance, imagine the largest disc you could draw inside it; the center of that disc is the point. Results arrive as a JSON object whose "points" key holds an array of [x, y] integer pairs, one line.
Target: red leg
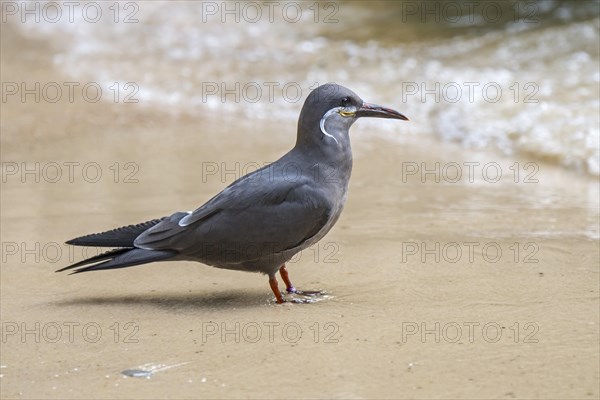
{"points": [[286, 278], [275, 289]]}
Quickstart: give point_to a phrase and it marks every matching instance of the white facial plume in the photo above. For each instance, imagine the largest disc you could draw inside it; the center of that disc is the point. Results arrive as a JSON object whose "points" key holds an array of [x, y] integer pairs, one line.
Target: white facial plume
{"points": [[343, 115]]}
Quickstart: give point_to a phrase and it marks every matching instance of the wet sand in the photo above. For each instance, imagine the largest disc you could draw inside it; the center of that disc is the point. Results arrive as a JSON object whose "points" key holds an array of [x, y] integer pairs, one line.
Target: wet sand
{"points": [[397, 323]]}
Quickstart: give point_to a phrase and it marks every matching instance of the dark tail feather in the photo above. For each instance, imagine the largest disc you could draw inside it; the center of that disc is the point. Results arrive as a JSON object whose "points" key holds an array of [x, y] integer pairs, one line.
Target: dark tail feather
{"points": [[120, 237], [100, 257], [122, 258]]}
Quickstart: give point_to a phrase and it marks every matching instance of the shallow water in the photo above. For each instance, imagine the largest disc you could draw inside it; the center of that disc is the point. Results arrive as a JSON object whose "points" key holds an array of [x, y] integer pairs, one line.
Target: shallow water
{"points": [[437, 286]]}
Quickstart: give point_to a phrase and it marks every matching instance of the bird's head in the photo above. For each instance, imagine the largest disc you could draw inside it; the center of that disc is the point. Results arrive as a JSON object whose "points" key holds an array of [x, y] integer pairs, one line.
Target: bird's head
{"points": [[331, 109]]}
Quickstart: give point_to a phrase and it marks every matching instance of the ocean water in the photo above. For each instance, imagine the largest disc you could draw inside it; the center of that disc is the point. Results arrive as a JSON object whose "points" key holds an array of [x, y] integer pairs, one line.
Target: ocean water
{"points": [[518, 78]]}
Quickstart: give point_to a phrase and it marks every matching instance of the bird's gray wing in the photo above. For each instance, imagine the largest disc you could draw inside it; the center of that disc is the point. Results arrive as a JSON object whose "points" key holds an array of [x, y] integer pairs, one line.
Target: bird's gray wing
{"points": [[267, 217], [176, 223]]}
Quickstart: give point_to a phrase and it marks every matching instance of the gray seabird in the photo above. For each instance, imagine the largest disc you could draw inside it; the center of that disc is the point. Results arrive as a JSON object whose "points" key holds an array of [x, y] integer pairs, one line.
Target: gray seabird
{"points": [[263, 219]]}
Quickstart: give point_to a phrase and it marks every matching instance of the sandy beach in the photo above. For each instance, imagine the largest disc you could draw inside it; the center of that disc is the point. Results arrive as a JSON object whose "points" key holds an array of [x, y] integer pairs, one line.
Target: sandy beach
{"points": [[438, 286]]}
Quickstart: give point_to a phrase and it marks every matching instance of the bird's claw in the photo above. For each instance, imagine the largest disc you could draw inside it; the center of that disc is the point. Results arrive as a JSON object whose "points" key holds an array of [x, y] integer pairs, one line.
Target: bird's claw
{"points": [[311, 293], [305, 296]]}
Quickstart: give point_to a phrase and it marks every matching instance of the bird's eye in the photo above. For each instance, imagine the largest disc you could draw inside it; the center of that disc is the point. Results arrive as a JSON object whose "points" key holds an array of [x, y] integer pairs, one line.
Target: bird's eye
{"points": [[345, 101]]}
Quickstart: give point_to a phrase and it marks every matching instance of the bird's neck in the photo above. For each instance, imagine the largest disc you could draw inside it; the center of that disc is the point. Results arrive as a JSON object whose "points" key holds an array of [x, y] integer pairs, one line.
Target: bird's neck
{"points": [[332, 159]]}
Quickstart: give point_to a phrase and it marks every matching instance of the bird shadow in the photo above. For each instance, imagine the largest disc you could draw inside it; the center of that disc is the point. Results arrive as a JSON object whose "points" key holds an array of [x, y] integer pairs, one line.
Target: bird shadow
{"points": [[176, 301]]}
